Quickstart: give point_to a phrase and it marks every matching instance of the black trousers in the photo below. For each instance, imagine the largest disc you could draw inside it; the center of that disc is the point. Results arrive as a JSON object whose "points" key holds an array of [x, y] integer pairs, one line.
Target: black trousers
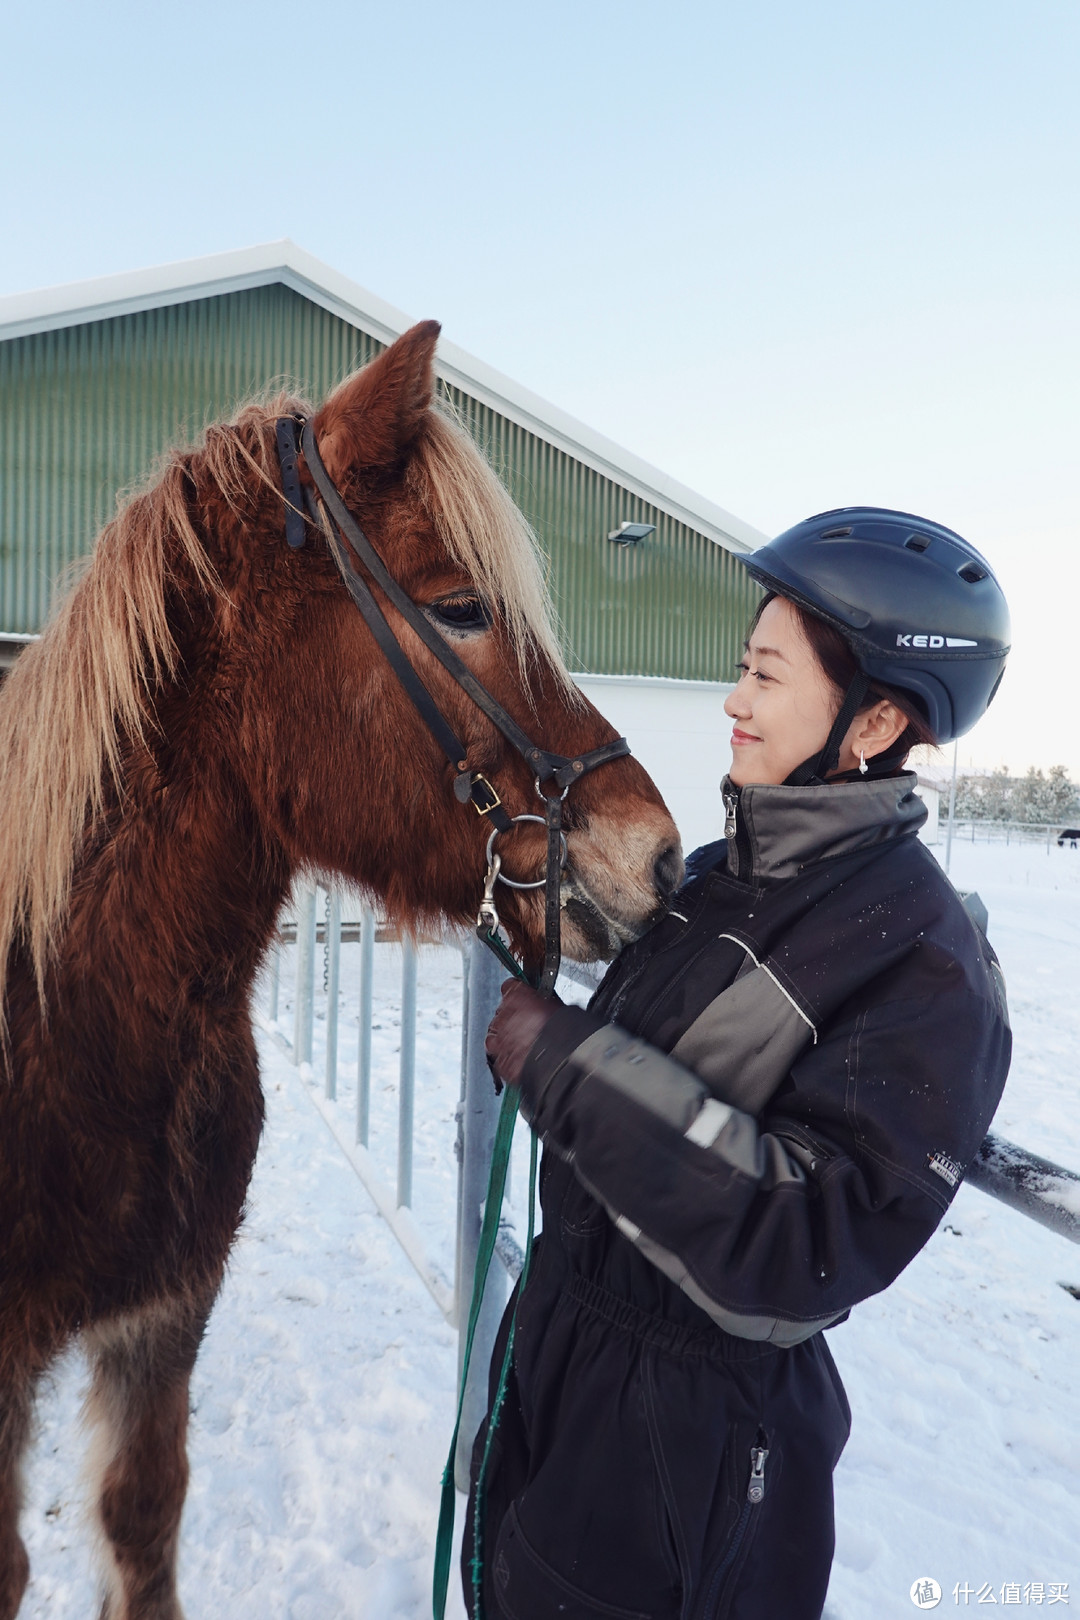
{"points": [[628, 1478]]}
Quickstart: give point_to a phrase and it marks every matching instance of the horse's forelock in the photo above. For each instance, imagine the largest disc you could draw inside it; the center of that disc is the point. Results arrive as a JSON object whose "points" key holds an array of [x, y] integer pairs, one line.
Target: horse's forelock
{"points": [[487, 536]]}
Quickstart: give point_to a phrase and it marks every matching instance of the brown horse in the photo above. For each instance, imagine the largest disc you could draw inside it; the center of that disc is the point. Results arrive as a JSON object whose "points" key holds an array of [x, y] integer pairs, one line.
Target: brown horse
{"points": [[206, 716]]}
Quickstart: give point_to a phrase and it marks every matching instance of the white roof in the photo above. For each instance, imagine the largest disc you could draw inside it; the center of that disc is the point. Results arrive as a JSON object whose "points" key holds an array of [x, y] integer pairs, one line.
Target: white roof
{"points": [[274, 262]]}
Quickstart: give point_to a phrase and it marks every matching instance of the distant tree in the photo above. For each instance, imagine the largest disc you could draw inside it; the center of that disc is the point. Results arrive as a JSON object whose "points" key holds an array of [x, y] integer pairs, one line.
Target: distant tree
{"points": [[1043, 797], [985, 798], [1049, 798]]}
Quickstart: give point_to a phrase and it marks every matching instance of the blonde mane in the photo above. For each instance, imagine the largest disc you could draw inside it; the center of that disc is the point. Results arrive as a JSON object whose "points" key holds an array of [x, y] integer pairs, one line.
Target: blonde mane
{"points": [[75, 695]]}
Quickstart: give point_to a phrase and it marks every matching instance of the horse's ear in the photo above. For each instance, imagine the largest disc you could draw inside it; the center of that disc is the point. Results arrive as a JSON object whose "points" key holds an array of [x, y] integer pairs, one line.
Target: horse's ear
{"points": [[373, 418]]}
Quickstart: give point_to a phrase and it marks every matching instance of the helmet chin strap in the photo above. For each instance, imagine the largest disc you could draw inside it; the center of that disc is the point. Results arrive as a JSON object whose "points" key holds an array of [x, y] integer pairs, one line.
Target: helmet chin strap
{"points": [[813, 771]]}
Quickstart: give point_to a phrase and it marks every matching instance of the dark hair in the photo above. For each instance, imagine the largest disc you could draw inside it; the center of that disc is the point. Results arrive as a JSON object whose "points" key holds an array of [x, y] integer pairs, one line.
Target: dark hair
{"points": [[839, 664]]}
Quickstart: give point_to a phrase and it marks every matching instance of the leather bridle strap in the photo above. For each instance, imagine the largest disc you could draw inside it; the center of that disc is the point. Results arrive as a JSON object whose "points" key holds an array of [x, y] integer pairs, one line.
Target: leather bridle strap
{"points": [[545, 765], [469, 786], [817, 769]]}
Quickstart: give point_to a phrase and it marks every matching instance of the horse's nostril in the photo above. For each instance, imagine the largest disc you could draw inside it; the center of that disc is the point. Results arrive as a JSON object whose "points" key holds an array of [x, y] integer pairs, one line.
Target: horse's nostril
{"points": [[668, 871]]}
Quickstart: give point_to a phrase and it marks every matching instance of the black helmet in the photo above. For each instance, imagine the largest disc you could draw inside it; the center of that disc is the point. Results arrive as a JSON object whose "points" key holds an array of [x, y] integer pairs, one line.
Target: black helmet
{"points": [[919, 607]]}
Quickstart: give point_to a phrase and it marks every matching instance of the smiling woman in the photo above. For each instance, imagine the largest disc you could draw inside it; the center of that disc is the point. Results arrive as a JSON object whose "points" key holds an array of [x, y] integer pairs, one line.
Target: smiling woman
{"points": [[791, 684], [759, 1120]]}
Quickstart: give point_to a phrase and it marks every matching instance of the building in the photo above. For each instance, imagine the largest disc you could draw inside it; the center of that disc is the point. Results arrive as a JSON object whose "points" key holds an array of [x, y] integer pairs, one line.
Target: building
{"points": [[98, 378]]}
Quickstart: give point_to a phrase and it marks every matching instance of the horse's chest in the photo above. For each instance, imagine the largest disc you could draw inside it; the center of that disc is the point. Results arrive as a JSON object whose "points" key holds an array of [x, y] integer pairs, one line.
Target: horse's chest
{"points": [[136, 1173]]}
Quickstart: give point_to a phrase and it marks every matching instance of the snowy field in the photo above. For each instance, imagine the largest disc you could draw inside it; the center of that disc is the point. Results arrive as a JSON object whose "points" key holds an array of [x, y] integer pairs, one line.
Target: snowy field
{"points": [[323, 1399]]}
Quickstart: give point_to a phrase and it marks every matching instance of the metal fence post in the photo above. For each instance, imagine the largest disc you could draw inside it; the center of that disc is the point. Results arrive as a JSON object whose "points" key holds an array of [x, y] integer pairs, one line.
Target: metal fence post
{"points": [[275, 979], [333, 979], [363, 1054], [460, 1309], [305, 976], [480, 1115], [406, 1072]]}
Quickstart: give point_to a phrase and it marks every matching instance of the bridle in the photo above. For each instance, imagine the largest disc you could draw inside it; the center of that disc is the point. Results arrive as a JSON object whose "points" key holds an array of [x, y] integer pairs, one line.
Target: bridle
{"points": [[337, 525]]}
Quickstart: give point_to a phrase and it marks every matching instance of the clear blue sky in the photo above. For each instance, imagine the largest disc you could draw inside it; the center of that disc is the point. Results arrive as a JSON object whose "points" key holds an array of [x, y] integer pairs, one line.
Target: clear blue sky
{"points": [[796, 254]]}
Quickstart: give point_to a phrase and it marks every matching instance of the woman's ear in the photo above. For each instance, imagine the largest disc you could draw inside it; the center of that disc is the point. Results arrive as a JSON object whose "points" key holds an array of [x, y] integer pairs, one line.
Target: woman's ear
{"points": [[872, 732]]}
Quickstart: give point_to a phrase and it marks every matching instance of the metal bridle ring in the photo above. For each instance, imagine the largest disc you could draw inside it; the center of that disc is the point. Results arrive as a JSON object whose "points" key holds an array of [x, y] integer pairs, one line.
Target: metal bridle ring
{"points": [[547, 798], [510, 882]]}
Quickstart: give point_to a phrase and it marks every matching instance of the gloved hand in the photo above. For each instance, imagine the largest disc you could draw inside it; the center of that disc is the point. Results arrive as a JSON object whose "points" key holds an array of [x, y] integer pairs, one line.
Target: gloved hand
{"points": [[520, 1017]]}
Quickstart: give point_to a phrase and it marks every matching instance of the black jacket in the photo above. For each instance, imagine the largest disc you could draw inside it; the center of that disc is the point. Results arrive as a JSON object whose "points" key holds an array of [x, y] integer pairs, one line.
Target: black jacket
{"points": [[758, 1122]]}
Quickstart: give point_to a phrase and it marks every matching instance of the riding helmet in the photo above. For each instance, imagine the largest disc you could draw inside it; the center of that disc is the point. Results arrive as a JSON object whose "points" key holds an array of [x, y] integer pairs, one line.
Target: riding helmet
{"points": [[917, 604]]}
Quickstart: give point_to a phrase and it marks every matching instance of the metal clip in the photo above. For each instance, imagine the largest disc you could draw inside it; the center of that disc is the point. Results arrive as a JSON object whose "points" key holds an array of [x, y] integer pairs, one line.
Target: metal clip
{"points": [[488, 917]]}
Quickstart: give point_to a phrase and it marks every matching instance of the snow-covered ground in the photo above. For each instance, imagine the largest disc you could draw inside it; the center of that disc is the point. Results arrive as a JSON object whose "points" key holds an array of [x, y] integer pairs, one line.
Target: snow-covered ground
{"points": [[324, 1395]]}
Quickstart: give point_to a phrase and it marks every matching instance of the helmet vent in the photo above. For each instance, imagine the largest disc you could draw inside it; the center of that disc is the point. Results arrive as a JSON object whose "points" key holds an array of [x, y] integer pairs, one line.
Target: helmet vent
{"points": [[836, 534], [972, 573], [917, 542]]}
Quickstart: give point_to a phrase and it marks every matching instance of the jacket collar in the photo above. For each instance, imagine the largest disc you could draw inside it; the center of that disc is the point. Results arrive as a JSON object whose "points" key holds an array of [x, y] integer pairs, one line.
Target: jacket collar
{"points": [[773, 833]]}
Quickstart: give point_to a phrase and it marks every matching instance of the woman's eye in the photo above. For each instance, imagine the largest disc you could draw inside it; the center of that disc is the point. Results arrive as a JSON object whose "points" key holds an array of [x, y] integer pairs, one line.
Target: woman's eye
{"points": [[744, 669], [462, 612]]}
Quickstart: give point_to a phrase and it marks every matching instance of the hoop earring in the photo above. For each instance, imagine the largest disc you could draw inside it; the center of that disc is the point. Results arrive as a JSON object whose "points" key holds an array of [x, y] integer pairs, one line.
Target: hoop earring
{"points": [[863, 766]]}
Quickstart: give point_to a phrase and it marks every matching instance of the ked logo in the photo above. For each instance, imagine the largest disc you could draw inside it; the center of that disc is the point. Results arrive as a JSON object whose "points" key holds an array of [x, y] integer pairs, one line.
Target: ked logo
{"points": [[911, 640]]}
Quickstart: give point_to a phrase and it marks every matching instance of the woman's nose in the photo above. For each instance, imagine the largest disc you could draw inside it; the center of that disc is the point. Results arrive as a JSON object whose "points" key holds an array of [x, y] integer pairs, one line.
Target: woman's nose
{"points": [[735, 703]]}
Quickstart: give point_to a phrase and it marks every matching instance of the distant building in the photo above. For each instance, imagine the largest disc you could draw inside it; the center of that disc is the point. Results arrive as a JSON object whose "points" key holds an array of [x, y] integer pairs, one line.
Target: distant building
{"points": [[98, 378]]}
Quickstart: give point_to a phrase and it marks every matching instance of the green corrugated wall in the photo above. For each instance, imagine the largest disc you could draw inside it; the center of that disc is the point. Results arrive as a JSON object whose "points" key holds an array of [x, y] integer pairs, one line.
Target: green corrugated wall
{"points": [[85, 410]]}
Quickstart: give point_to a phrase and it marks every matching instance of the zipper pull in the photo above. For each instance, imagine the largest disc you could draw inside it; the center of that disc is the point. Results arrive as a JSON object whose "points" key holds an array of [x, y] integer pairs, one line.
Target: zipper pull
{"points": [[731, 805], [756, 1489]]}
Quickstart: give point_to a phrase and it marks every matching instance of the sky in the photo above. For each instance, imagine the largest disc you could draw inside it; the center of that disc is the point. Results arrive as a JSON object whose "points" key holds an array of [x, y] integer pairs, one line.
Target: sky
{"points": [[798, 256]]}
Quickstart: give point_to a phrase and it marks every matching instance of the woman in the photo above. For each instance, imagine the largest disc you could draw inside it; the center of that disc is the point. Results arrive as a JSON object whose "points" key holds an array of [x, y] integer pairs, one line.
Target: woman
{"points": [[759, 1121]]}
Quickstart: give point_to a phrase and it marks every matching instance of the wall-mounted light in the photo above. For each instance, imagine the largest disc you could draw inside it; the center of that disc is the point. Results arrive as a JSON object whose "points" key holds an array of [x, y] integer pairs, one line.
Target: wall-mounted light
{"points": [[628, 534]]}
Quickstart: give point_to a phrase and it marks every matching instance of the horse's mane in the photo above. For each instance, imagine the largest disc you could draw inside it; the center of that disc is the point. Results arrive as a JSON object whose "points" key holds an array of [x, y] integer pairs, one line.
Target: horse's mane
{"points": [[82, 689]]}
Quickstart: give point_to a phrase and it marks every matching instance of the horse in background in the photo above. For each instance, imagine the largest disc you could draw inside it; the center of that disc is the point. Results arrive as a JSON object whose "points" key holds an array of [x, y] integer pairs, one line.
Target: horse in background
{"points": [[1070, 835], [206, 716]]}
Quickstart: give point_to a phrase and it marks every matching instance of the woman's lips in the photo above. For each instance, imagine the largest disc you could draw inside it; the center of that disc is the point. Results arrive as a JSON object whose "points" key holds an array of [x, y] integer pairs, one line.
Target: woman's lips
{"points": [[738, 738]]}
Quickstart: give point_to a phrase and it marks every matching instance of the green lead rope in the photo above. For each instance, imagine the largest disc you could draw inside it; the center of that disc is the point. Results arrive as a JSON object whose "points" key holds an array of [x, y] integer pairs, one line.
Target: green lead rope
{"points": [[476, 1563], [444, 1540], [496, 945]]}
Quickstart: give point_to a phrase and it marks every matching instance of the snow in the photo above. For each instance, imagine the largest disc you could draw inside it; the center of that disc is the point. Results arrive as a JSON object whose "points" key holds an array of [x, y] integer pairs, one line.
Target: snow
{"points": [[323, 1398]]}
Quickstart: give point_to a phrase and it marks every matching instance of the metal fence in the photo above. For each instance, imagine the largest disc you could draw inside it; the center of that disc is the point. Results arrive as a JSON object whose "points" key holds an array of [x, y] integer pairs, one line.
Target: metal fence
{"points": [[1005, 832], [318, 1001]]}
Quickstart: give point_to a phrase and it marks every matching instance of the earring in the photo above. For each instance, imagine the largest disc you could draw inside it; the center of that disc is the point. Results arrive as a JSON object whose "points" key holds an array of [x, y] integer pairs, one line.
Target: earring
{"points": [[863, 767]]}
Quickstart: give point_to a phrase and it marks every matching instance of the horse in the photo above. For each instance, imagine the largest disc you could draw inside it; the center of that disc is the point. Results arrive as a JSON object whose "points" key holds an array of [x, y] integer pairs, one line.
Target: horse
{"points": [[1072, 834], [205, 717]]}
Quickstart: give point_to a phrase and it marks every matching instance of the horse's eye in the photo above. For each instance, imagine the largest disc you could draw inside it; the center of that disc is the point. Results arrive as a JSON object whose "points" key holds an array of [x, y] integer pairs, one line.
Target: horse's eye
{"points": [[462, 612]]}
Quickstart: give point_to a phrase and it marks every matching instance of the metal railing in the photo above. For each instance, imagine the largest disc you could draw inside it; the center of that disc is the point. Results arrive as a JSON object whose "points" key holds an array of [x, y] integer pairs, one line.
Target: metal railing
{"points": [[318, 925], [1044, 1192], [1002, 832], [318, 930]]}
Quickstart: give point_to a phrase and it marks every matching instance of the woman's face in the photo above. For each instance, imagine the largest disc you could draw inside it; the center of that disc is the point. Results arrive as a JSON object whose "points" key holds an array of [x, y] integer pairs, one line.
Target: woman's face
{"points": [[783, 706]]}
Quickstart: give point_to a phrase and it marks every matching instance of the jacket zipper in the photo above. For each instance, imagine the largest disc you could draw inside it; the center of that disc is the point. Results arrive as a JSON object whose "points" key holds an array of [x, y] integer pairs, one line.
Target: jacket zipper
{"points": [[755, 1493], [738, 845]]}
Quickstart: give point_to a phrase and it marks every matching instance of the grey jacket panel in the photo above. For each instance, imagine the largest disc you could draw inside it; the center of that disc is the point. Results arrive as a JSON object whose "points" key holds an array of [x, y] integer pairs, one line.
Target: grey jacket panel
{"points": [[746, 1039], [638, 1072], [791, 827]]}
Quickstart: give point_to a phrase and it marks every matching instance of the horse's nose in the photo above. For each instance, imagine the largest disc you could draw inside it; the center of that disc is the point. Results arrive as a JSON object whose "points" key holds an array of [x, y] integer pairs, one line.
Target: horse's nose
{"points": [[668, 871]]}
